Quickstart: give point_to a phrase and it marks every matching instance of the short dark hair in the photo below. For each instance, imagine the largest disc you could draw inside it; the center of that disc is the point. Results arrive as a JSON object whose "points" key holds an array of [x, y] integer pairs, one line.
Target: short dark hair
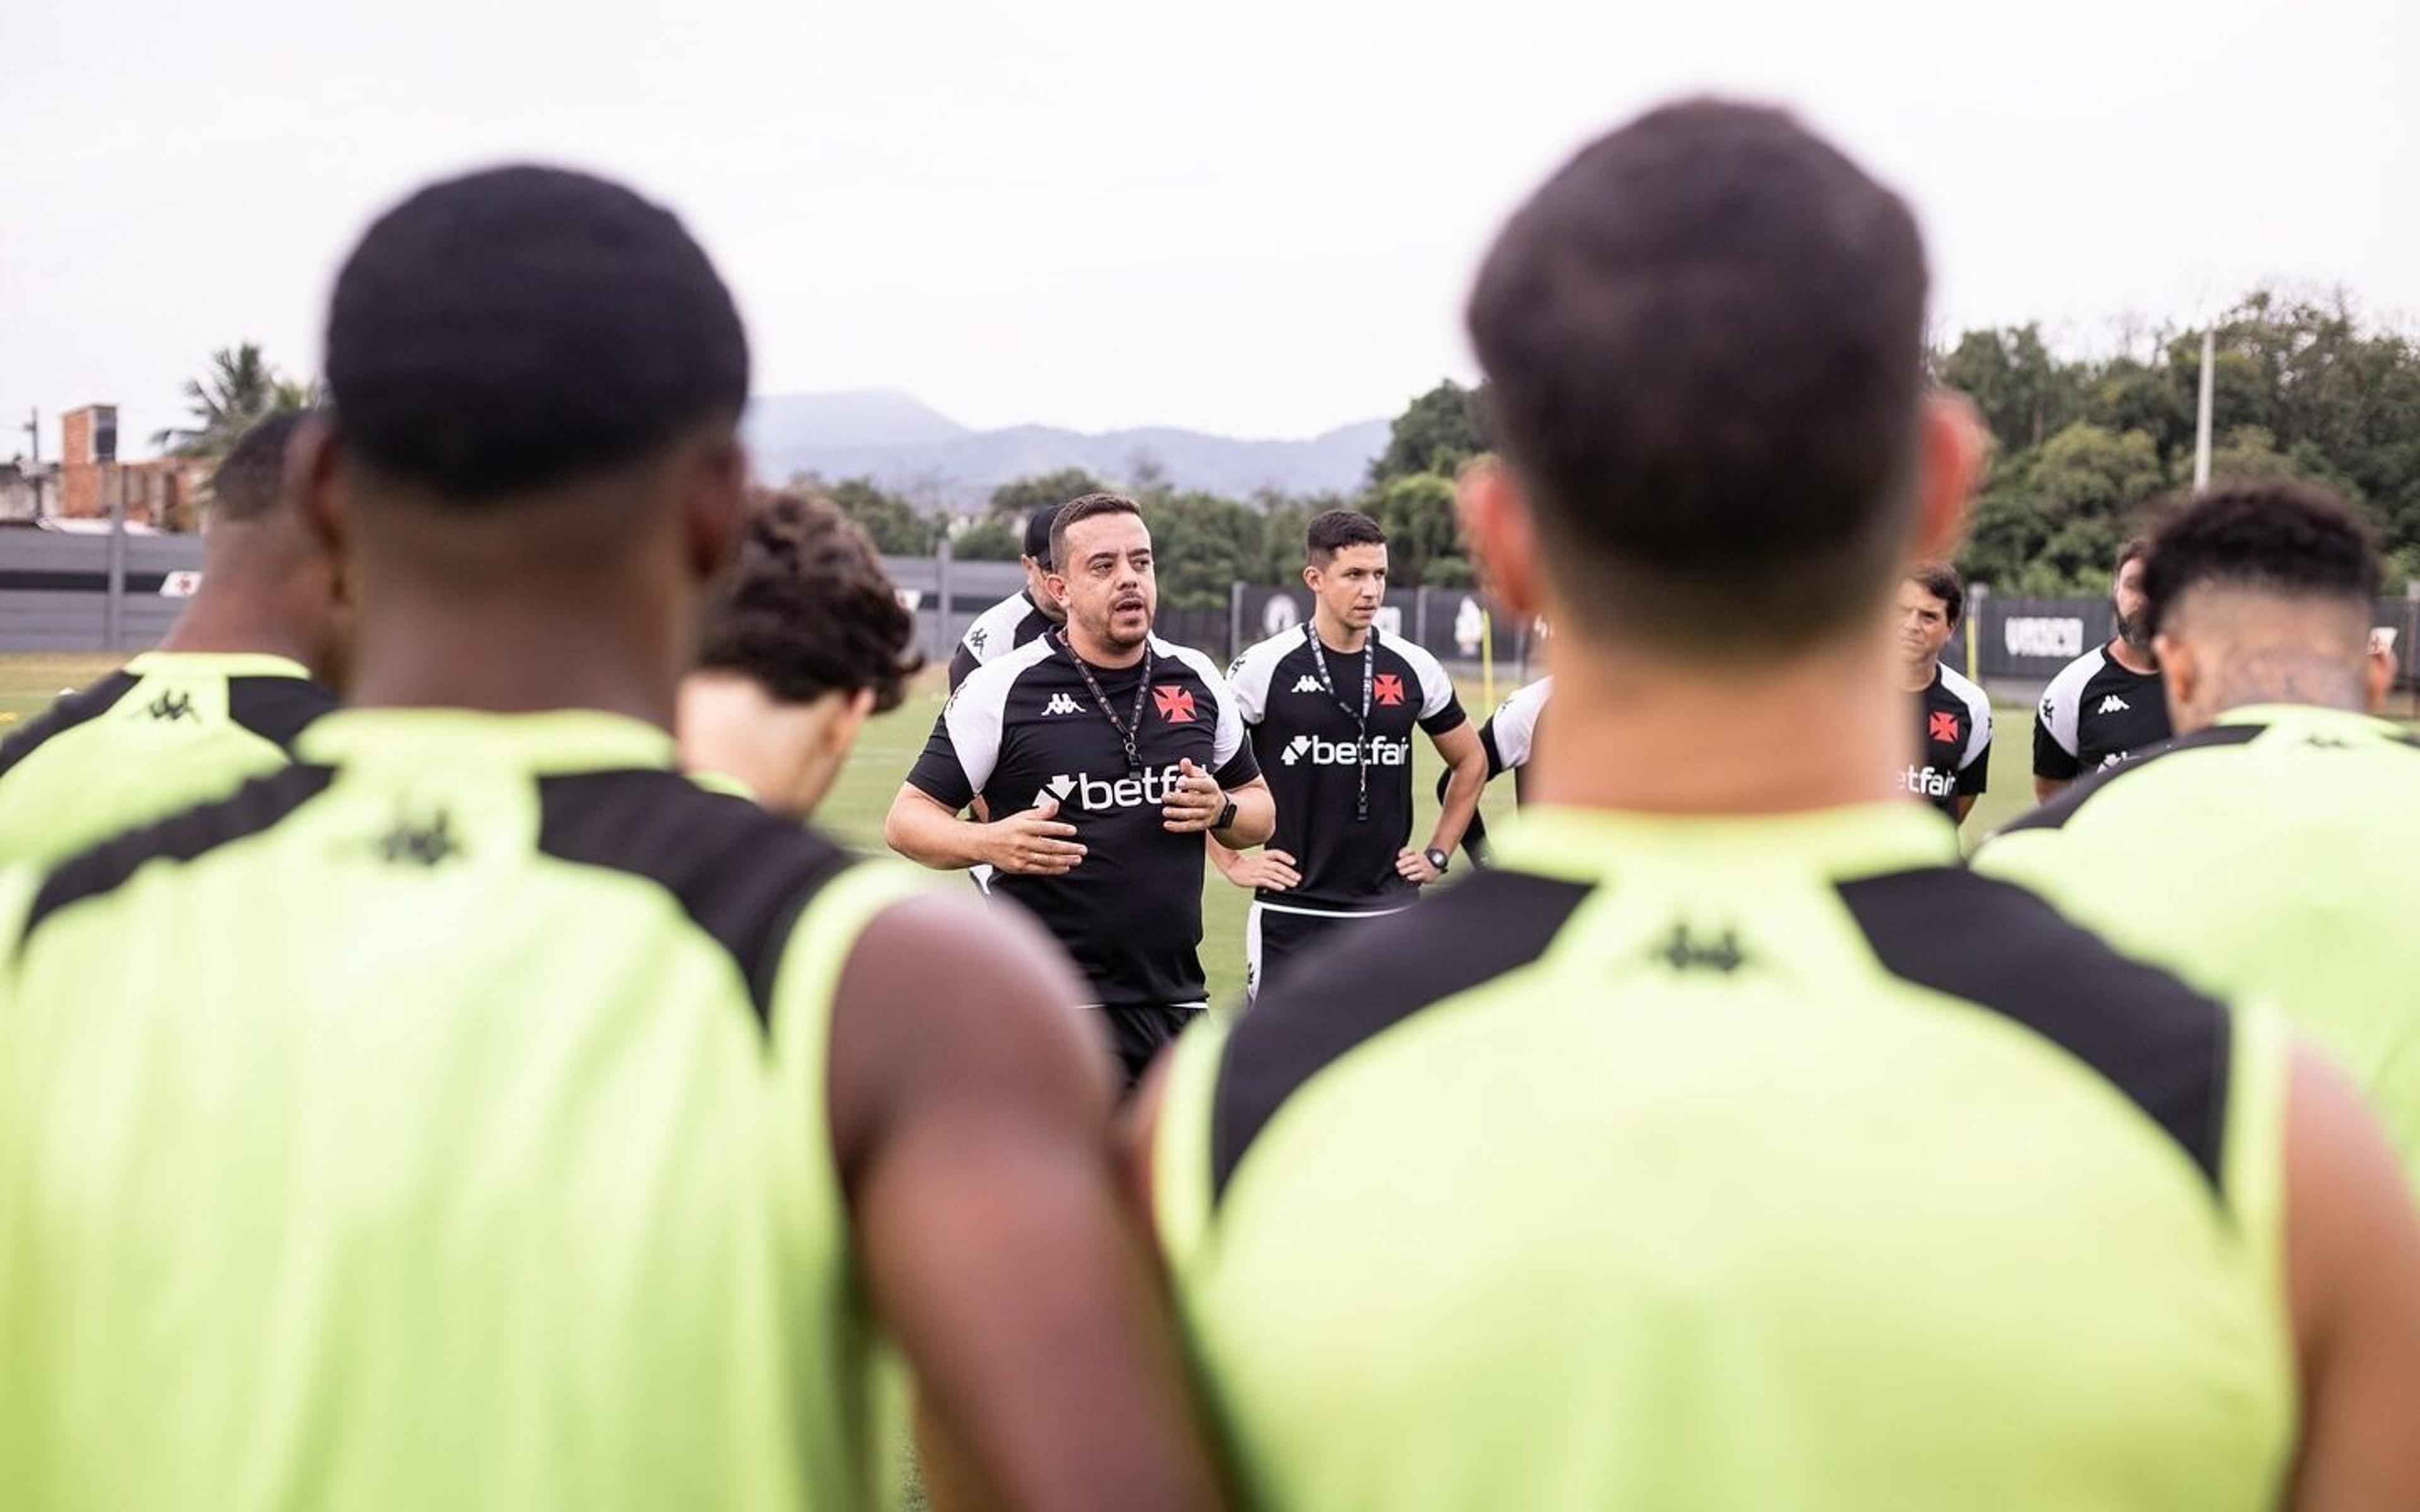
{"points": [[251, 478], [1941, 581], [1704, 338], [2272, 535], [809, 611], [1084, 507], [1037, 532], [1333, 530], [524, 327], [2136, 547]]}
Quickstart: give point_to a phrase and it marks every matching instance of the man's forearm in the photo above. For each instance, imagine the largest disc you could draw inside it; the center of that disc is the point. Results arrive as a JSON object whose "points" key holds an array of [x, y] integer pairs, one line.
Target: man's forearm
{"points": [[1465, 783], [929, 835], [1256, 819]]}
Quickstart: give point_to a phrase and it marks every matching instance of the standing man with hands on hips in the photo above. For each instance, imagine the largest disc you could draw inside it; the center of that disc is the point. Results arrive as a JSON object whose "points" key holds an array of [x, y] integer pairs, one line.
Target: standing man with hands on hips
{"points": [[1331, 705], [1105, 750]]}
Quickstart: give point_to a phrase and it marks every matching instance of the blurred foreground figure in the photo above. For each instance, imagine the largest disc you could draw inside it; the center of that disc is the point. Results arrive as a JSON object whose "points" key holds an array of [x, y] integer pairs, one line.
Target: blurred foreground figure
{"points": [[1728, 1146], [481, 1114], [2269, 848], [805, 639], [243, 670]]}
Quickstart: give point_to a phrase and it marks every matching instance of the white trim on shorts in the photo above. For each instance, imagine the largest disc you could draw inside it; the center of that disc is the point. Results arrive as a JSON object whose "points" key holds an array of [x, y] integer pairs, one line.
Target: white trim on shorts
{"points": [[1252, 935]]}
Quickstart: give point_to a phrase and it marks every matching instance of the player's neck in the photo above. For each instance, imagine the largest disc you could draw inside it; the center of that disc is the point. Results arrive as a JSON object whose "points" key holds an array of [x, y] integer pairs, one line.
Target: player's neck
{"points": [[229, 622], [1101, 653], [1637, 733], [1917, 678], [2141, 663], [1335, 634], [565, 648]]}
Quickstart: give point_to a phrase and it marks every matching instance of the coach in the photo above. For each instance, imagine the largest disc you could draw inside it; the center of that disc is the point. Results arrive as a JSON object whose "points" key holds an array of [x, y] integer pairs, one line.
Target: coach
{"points": [[1108, 751]]}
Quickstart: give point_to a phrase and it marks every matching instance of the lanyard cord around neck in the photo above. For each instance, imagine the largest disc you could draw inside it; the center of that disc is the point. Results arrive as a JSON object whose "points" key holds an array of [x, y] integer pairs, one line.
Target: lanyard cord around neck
{"points": [[1361, 720], [1128, 737]]}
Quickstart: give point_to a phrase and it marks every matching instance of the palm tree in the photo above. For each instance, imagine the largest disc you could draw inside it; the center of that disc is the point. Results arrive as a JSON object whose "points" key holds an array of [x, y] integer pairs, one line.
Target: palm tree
{"points": [[240, 390]]}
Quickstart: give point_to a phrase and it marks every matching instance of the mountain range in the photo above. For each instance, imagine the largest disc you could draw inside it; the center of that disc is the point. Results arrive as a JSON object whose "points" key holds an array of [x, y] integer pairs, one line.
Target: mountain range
{"points": [[907, 447]]}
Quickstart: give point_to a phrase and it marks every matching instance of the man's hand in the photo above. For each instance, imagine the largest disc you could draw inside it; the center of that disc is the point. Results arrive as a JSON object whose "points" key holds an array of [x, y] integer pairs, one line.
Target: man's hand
{"points": [[1193, 803], [1034, 843], [1271, 869], [1414, 867]]}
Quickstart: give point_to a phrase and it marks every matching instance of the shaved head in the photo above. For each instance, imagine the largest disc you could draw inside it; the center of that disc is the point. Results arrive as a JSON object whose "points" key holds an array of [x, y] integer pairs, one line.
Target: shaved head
{"points": [[2264, 593]]}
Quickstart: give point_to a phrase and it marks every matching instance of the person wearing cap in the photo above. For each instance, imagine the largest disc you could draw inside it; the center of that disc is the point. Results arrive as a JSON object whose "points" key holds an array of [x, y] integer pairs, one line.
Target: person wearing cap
{"points": [[1023, 615]]}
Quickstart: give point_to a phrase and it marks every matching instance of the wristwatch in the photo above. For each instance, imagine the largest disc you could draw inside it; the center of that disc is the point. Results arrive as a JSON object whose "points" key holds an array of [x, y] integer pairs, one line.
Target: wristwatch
{"points": [[1437, 858], [1226, 816]]}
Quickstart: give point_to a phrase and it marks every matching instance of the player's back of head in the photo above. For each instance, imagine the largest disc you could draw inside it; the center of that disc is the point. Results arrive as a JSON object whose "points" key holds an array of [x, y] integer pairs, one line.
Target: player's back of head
{"points": [[1704, 337], [2271, 538], [519, 328], [808, 610], [250, 481]]}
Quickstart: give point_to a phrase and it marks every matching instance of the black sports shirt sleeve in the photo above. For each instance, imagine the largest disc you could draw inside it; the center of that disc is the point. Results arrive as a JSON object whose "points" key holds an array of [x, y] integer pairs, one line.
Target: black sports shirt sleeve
{"points": [[964, 748], [1441, 711], [1972, 776], [2051, 759], [962, 661]]}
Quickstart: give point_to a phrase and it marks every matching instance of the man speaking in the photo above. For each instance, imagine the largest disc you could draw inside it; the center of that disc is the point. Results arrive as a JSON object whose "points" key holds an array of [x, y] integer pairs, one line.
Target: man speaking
{"points": [[1106, 751]]}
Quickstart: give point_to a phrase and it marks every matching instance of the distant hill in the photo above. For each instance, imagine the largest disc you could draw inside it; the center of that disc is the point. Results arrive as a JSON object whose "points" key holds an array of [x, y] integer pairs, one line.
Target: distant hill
{"points": [[907, 446]]}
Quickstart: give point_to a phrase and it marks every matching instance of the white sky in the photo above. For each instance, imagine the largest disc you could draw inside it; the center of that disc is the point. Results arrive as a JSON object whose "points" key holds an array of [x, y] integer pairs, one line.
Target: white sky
{"points": [[1258, 217]]}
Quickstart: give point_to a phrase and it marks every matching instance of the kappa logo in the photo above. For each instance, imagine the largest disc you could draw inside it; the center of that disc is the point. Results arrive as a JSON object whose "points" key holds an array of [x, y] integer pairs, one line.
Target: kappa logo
{"points": [[1081, 789], [1176, 703], [2113, 704], [172, 705], [975, 639], [414, 844], [1942, 726], [1307, 684], [1061, 703], [1380, 751], [1685, 951], [1388, 688]]}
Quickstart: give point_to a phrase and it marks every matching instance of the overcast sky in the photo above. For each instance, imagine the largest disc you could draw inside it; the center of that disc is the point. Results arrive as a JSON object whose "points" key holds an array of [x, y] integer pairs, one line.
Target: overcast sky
{"points": [[1257, 218]]}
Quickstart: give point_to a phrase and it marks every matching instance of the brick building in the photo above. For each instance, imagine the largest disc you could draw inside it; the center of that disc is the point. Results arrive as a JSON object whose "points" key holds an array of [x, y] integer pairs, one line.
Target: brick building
{"points": [[161, 492]]}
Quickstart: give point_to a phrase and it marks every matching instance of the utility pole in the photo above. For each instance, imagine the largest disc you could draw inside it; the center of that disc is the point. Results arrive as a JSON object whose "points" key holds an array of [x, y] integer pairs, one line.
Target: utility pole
{"points": [[2201, 428], [34, 430]]}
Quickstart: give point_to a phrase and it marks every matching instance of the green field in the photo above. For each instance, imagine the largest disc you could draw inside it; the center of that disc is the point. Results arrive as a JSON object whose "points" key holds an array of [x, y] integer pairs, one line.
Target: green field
{"points": [[890, 744]]}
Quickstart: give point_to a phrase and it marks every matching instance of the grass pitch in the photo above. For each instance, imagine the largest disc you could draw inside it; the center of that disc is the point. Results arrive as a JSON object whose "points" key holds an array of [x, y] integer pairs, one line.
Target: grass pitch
{"points": [[891, 745]]}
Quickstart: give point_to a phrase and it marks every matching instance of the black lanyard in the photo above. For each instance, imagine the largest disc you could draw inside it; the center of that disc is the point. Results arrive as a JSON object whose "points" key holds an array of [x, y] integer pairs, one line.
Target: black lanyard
{"points": [[1126, 737], [1361, 720]]}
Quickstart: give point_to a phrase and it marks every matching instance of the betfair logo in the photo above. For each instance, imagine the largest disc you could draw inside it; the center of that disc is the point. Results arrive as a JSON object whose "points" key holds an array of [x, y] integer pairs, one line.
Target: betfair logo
{"points": [[1091, 794], [1061, 703], [1379, 751], [1928, 781], [411, 842], [172, 704], [1685, 951]]}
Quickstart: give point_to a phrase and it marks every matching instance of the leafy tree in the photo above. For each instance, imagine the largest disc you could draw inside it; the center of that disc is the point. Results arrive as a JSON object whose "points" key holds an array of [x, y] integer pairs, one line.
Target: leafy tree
{"points": [[1417, 512], [1202, 543], [1436, 433], [2024, 393], [239, 390], [1022, 495], [894, 525], [992, 538]]}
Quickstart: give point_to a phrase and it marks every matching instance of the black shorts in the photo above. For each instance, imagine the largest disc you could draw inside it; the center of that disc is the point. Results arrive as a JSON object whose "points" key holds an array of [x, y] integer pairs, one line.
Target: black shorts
{"points": [[1139, 1031], [1278, 937]]}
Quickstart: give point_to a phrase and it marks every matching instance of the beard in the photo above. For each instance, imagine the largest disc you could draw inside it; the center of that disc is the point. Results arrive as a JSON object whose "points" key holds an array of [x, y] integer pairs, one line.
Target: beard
{"points": [[1103, 627], [2135, 629]]}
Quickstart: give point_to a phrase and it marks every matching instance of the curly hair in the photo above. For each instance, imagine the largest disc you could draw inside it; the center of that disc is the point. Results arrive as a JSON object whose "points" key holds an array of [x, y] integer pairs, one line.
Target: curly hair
{"points": [[809, 609]]}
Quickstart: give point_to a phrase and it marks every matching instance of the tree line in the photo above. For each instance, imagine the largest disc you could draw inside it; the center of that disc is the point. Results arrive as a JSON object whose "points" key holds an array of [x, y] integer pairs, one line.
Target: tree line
{"points": [[2303, 387]]}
